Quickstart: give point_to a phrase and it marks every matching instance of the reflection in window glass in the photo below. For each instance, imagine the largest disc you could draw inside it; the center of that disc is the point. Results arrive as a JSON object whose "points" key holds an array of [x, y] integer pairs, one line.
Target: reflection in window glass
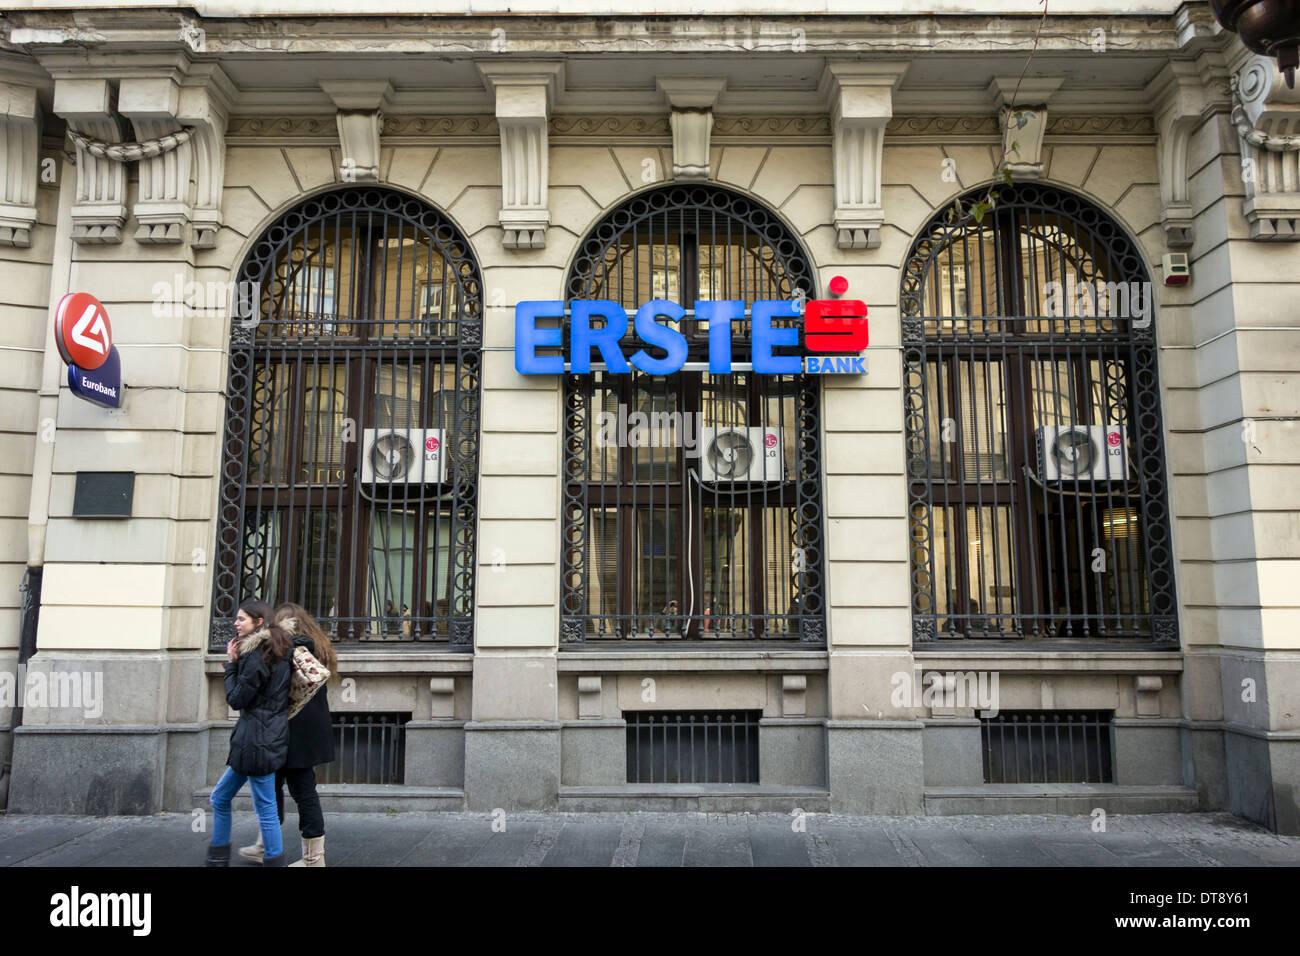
{"points": [[315, 554], [657, 586], [325, 406]]}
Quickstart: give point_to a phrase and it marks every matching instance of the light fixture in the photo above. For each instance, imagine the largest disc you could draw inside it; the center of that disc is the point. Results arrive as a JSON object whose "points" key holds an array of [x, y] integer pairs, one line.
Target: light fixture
{"points": [[1270, 27]]}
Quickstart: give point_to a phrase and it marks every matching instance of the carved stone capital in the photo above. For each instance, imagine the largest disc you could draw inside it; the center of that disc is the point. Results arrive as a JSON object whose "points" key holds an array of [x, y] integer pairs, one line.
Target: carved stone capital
{"points": [[99, 210], [1179, 98], [361, 105], [20, 137], [860, 99], [162, 210], [524, 94], [1023, 122], [691, 100], [205, 101], [1266, 114]]}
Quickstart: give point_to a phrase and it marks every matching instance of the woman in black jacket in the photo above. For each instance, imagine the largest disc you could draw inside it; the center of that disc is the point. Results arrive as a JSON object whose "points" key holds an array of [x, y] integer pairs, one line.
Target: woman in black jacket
{"points": [[257, 685], [311, 742]]}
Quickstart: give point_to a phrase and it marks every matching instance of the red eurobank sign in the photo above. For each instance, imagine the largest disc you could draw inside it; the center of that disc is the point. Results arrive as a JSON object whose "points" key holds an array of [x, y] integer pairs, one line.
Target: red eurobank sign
{"points": [[85, 341]]}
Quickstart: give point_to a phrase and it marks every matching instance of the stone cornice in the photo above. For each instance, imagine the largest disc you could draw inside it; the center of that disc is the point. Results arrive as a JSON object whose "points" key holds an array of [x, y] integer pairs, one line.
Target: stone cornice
{"points": [[556, 34]]}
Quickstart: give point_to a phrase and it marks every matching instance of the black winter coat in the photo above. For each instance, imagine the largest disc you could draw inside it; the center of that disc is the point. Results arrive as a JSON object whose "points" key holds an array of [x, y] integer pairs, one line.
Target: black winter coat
{"points": [[260, 692], [311, 738]]}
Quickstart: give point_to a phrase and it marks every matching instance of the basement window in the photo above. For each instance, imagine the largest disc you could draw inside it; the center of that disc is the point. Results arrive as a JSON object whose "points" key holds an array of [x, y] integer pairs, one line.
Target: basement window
{"points": [[692, 746]]}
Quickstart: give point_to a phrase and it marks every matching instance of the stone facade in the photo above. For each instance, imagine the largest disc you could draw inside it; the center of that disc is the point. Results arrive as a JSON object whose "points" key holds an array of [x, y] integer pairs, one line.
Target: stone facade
{"points": [[525, 138]]}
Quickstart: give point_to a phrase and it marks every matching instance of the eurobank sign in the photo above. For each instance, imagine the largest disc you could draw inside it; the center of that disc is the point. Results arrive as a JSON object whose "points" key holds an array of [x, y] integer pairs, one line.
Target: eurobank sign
{"points": [[833, 334]]}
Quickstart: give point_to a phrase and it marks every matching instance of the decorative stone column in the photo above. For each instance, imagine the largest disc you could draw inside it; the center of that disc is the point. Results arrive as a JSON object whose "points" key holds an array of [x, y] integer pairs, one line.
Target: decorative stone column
{"points": [[524, 93], [20, 137], [860, 98], [162, 210], [692, 99], [100, 208], [1179, 99]]}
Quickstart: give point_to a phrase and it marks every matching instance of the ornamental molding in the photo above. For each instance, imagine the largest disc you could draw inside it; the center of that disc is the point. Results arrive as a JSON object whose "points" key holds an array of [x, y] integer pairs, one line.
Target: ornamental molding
{"points": [[1023, 122], [772, 125], [859, 97], [359, 118], [1266, 117], [612, 126], [691, 101], [20, 139], [524, 93], [99, 208], [260, 127], [1179, 98]]}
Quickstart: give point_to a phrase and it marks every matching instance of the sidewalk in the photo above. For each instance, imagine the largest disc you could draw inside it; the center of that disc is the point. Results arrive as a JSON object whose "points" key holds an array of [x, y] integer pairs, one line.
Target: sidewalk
{"points": [[668, 839]]}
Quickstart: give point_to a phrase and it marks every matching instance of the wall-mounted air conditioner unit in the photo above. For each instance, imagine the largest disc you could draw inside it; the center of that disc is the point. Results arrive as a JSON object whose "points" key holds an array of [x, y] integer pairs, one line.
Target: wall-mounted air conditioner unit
{"points": [[409, 456], [1082, 452], [741, 454]]}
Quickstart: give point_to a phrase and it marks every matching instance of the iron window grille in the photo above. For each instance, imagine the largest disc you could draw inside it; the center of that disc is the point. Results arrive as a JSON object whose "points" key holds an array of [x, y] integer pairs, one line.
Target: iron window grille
{"points": [[1035, 457], [362, 336], [368, 748], [1049, 746], [658, 547], [692, 746]]}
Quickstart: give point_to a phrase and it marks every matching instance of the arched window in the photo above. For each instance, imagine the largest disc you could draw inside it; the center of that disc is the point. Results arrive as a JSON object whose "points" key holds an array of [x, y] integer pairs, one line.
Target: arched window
{"points": [[692, 502], [1034, 446], [350, 471]]}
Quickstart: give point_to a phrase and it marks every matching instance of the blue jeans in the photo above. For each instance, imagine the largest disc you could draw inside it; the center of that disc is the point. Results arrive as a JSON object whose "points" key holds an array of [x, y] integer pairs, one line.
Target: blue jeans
{"points": [[263, 789]]}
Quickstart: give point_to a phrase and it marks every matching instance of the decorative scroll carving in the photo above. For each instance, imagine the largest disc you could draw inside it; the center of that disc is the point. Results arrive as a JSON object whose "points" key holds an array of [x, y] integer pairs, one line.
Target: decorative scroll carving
{"points": [[610, 125], [1179, 99], [691, 99], [1024, 122], [1266, 114], [99, 210]]}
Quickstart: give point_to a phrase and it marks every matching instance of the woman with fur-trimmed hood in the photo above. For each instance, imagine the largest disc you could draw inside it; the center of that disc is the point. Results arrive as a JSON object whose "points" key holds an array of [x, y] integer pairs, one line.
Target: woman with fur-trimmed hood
{"points": [[257, 685]]}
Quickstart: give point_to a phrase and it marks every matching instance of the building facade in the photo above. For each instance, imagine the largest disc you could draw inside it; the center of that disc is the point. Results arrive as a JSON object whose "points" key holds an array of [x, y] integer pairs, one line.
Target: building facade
{"points": [[1035, 552]]}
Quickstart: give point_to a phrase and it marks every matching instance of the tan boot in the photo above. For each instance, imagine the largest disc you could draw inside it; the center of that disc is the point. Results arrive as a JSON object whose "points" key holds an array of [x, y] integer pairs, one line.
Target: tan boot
{"points": [[256, 852], [313, 852]]}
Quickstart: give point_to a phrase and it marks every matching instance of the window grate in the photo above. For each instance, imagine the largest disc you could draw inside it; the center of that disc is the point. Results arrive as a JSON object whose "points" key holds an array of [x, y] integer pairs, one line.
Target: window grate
{"points": [[368, 748], [1048, 746], [350, 460], [692, 502], [692, 746], [1035, 457]]}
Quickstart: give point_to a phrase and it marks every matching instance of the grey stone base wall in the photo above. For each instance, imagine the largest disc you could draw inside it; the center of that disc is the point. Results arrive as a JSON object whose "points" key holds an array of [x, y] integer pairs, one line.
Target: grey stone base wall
{"points": [[792, 752], [875, 766], [1148, 751], [593, 753], [512, 765], [435, 753], [1263, 774], [951, 751], [101, 771]]}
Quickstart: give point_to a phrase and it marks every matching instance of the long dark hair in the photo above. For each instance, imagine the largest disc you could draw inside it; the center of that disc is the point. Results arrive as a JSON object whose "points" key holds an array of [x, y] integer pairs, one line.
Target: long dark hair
{"points": [[278, 644], [322, 648]]}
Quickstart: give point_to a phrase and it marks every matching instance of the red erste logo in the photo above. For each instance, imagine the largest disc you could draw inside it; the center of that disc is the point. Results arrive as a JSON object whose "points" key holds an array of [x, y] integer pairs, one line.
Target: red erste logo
{"points": [[431, 443], [835, 325], [81, 331]]}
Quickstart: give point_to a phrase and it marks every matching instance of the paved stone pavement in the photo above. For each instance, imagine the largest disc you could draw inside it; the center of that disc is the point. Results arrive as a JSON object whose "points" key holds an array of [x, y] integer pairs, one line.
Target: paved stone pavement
{"points": [[670, 839]]}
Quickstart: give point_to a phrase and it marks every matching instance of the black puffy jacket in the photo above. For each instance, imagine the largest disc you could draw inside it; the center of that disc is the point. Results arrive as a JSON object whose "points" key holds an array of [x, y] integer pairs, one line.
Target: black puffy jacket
{"points": [[260, 692], [311, 738]]}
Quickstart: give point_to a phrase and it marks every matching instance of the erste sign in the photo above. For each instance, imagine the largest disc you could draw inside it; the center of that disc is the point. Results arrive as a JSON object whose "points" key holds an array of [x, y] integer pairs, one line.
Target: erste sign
{"points": [[829, 326]]}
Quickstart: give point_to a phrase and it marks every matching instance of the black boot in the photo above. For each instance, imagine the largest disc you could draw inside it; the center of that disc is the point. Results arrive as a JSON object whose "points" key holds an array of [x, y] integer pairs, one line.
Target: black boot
{"points": [[277, 860], [218, 855]]}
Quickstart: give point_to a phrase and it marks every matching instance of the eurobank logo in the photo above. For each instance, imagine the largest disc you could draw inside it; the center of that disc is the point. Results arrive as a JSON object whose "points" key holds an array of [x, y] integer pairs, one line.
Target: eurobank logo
{"points": [[832, 336]]}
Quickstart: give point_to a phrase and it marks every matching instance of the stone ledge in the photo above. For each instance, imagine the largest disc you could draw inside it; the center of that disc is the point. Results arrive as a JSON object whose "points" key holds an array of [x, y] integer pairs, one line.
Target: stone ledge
{"points": [[1054, 662], [386, 662], [367, 798], [1072, 799], [698, 661], [718, 797]]}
